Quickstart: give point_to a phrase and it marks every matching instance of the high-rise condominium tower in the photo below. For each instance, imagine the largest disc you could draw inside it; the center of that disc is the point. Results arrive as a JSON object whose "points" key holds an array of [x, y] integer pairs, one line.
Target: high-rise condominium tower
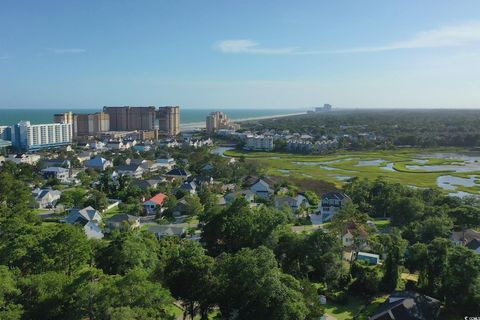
{"points": [[219, 120], [131, 118], [27, 136], [91, 124], [169, 120]]}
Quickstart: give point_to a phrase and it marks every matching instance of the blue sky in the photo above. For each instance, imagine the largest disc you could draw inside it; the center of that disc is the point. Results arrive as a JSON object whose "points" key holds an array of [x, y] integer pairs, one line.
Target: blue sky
{"points": [[231, 53]]}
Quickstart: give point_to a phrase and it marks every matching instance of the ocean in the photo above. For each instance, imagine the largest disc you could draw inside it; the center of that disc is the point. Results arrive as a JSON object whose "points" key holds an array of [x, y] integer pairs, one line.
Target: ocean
{"points": [[187, 116]]}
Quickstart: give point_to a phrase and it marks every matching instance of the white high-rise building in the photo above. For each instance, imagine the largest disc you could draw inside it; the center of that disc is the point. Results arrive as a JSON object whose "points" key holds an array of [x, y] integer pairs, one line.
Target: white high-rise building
{"points": [[28, 137]]}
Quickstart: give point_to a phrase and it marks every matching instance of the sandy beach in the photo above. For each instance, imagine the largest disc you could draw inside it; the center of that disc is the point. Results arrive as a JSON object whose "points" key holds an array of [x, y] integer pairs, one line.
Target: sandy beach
{"points": [[201, 125]]}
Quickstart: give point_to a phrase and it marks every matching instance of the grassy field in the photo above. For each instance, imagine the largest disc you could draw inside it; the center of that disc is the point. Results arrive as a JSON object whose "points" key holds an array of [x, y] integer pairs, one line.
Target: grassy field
{"points": [[336, 168]]}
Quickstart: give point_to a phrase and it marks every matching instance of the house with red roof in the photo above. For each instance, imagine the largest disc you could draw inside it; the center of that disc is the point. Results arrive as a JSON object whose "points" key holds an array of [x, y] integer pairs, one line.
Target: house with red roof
{"points": [[152, 205]]}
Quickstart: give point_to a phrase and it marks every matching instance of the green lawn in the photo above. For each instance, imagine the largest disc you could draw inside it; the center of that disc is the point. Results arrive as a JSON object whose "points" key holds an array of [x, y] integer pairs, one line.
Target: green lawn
{"points": [[336, 168], [381, 224], [345, 311], [39, 211], [113, 211]]}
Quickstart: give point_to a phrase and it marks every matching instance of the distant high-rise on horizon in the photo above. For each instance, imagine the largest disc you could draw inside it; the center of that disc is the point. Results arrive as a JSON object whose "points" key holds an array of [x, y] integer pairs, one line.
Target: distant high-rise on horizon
{"points": [[169, 120], [326, 108], [129, 118], [219, 120]]}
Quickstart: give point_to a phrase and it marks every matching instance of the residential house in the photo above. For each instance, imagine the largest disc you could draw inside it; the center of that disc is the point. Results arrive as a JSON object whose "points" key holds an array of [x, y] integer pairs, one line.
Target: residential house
{"points": [[152, 205], [330, 204], [167, 230], [294, 203], [207, 168], [190, 187], [247, 194], [262, 188], [147, 165], [83, 145], [46, 198], [122, 222], [355, 235], [142, 147], [203, 180], [178, 173], [59, 173], [64, 163], [98, 163], [181, 208], [166, 163], [84, 156], [89, 219], [228, 187], [468, 238], [30, 159], [117, 145], [406, 305], [132, 170], [97, 145], [148, 184]]}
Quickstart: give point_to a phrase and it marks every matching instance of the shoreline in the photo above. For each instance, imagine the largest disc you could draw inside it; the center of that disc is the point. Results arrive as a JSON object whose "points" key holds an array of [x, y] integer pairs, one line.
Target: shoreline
{"points": [[201, 125]]}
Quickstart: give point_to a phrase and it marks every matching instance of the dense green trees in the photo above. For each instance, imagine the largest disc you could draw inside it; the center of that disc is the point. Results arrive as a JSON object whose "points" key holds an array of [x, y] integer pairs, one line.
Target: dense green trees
{"points": [[316, 256], [395, 248], [249, 264], [251, 286], [9, 308], [189, 275], [421, 128], [239, 226], [128, 250]]}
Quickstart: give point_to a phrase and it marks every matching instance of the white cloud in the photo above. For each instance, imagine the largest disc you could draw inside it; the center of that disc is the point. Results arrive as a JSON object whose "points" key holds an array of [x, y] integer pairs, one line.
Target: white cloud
{"points": [[249, 46], [68, 50], [447, 36]]}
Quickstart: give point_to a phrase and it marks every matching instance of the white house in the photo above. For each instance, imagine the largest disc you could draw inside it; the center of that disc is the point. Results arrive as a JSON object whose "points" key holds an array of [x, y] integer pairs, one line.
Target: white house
{"points": [[30, 159], [167, 230], [354, 233], [166, 163], [46, 198], [132, 170], [247, 194], [122, 222], [293, 203], [330, 204], [89, 219]]}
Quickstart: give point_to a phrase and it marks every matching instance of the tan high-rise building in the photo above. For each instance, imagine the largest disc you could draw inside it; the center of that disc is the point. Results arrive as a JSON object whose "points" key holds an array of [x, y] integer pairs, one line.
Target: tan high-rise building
{"points": [[66, 117], [91, 124], [169, 120], [131, 118], [219, 120]]}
